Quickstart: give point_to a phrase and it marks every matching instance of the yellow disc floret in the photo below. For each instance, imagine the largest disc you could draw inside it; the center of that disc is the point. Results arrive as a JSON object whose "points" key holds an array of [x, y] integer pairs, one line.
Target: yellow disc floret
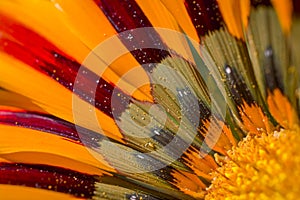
{"points": [[260, 167]]}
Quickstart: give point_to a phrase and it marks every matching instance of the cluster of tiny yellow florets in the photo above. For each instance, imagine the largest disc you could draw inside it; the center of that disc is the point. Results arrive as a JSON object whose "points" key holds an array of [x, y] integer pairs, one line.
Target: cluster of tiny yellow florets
{"points": [[260, 167]]}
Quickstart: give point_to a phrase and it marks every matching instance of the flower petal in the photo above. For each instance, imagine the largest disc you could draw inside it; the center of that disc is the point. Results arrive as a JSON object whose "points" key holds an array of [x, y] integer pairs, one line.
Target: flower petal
{"points": [[71, 33]]}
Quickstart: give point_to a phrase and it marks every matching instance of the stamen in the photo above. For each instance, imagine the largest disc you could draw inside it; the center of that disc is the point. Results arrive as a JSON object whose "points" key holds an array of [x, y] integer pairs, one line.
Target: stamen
{"points": [[266, 168]]}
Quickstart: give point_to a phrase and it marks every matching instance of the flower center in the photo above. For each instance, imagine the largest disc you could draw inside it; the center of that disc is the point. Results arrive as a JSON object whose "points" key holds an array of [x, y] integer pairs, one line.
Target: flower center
{"points": [[260, 167]]}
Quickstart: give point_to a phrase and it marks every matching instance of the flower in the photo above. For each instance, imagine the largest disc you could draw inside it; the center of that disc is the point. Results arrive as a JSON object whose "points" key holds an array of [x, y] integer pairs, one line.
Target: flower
{"points": [[211, 111]]}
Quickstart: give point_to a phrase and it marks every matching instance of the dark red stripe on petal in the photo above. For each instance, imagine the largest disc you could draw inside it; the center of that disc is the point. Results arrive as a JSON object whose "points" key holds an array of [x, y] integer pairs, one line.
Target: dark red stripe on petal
{"points": [[205, 15], [256, 3], [50, 124], [48, 177], [71, 182], [105, 96], [127, 15], [38, 122], [296, 7], [41, 55], [123, 14]]}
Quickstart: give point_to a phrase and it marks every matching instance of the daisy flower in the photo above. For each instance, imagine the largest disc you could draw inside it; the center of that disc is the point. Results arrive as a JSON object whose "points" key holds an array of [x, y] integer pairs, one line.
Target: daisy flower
{"points": [[149, 99]]}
